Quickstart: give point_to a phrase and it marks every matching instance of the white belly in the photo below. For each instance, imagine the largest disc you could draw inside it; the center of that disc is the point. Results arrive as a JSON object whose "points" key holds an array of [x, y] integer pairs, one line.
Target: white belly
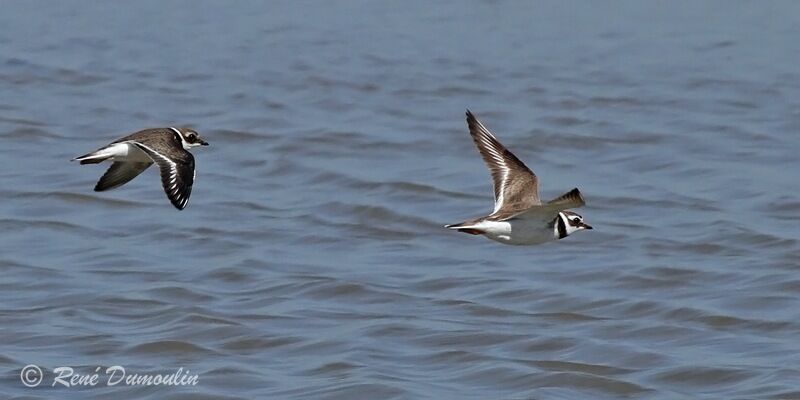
{"points": [[517, 231]]}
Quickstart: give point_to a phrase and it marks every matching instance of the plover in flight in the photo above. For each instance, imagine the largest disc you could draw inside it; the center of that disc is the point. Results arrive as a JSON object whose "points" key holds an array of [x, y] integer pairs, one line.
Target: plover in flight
{"points": [[133, 154], [519, 217]]}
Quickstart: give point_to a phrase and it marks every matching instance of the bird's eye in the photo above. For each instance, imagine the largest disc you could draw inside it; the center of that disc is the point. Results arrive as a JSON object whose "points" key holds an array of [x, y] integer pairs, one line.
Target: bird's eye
{"points": [[576, 220], [192, 136]]}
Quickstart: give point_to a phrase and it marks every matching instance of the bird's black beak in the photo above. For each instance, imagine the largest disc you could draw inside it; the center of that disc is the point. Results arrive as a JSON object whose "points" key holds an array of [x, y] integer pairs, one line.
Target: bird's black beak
{"points": [[203, 142], [587, 226]]}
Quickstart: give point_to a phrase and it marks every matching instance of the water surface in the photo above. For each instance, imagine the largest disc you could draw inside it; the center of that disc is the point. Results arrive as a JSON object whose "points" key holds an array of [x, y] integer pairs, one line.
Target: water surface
{"points": [[311, 261]]}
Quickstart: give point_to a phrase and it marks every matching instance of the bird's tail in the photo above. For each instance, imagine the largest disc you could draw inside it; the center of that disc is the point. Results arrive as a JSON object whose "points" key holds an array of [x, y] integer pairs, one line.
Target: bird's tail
{"points": [[94, 157], [89, 160], [466, 227]]}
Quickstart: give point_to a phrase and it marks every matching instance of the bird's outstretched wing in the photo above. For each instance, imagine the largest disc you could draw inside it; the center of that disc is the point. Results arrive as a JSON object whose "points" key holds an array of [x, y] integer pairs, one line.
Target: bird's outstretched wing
{"points": [[120, 173], [515, 185], [177, 173], [547, 211]]}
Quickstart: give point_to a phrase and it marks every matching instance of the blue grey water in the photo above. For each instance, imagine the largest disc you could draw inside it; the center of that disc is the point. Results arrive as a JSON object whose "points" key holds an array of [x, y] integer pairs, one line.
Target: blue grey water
{"points": [[311, 261]]}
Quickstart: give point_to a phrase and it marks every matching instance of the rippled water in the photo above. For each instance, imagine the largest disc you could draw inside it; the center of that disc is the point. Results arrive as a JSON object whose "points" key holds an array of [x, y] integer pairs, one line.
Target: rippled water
{"points": [[311, 261]]}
